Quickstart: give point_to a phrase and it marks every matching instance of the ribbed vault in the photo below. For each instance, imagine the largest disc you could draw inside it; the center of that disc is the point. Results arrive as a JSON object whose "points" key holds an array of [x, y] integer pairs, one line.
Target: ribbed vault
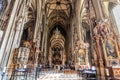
{"points": [[58, 12]]}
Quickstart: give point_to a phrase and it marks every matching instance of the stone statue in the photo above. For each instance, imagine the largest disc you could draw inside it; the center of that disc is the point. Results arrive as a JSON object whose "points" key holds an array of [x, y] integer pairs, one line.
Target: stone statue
{"points": [[15, 56], [27, 44], [104, 29], [30, 33]]}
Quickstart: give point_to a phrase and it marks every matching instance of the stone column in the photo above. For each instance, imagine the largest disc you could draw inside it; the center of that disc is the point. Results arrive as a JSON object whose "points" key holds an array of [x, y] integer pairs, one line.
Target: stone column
{"points": [[38, 20], [63, 57], [19, 27], [96, 62], [117, 50], [36, 55], [61, 52], [102, 73], [9, 31], [50, 56], [100, 9], [14, 42], [104, 50], [76, 59], [86, 58], [45, 44]]}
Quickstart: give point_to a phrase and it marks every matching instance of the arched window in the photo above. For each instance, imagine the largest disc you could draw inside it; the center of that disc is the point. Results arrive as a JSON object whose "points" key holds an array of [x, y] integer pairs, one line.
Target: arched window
{"points": [[115, 13]]}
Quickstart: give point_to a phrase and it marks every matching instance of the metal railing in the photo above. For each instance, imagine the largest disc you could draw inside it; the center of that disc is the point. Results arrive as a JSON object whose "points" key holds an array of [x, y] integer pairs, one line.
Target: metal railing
{"points": [[21, 74], [25, 73], [34, 73]]}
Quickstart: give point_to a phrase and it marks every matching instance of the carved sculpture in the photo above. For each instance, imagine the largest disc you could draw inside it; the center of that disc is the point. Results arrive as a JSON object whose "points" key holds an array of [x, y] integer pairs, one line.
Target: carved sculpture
{"points": [[30, 34]]}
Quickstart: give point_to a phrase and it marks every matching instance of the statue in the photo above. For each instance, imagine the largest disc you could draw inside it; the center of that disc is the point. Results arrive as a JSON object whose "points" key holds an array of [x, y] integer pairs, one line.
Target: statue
{"points": [[15, 56], [96, 30], [30, 33], [27, 44], [104, 29]]}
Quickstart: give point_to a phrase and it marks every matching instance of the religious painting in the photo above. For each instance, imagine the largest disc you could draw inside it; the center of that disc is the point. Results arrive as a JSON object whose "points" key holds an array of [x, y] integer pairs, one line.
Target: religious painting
{"points": [[110, 49], [82, 56]]}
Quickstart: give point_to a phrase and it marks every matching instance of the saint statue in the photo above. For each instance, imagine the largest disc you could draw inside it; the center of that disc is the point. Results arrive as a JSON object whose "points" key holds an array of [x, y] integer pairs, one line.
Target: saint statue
{"points": [[30, 33]]}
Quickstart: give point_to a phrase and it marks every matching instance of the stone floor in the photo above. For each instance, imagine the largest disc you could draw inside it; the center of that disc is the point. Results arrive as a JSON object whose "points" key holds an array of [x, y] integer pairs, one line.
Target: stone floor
{"points": [[52, 75], [48, 75]]}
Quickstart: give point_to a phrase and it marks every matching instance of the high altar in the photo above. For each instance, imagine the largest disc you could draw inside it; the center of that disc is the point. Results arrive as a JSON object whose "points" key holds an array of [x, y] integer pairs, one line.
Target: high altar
{"points": [[57, 54]]}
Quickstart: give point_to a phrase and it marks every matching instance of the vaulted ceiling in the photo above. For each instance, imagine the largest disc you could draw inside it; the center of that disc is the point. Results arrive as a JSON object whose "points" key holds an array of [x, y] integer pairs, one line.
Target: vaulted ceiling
{"points": [[52, 5], [58, 12]]}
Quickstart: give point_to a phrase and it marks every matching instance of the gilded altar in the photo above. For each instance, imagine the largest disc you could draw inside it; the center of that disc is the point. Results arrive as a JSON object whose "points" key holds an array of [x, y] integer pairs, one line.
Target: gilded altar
{"points": [[106, 48], [81, 52]]}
